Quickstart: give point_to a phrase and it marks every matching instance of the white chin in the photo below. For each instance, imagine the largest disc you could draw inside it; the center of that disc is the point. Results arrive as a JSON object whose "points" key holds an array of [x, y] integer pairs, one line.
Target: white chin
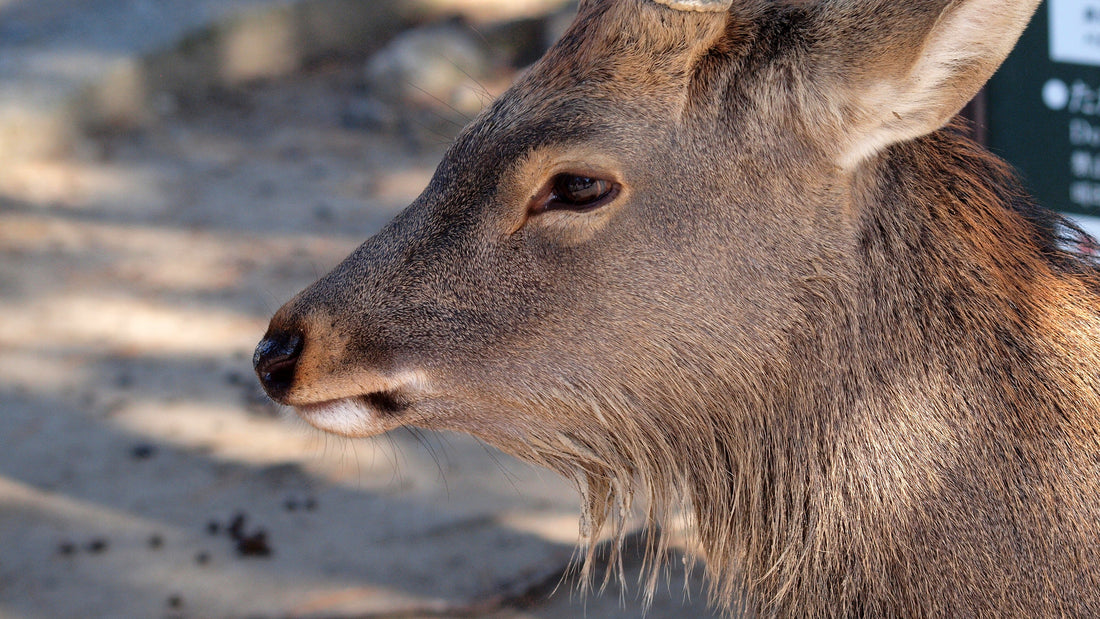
{"points": [[347, 417]]}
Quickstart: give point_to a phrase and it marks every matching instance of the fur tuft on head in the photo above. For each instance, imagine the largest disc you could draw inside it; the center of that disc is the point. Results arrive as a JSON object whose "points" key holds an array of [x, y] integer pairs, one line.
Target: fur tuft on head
{"points": [[711, 6]]}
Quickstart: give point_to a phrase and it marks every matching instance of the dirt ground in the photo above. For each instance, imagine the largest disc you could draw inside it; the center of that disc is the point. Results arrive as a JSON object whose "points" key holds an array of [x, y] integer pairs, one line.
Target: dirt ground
{"points": [[143, 474]]}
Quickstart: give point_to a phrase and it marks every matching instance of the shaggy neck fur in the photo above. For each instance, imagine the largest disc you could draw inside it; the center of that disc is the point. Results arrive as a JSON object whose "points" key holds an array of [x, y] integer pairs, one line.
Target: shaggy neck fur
{"points": [[934, 446]]}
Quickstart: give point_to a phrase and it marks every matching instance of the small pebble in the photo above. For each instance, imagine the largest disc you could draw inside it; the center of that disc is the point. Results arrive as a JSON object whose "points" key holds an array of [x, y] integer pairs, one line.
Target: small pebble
{"points": [[291, 505], [311, 504], [66, 549], [213, 527], [156, 542], [175, 601], [143, 451], [236, 526], [97, 546], [202, 558], [254, 545]]}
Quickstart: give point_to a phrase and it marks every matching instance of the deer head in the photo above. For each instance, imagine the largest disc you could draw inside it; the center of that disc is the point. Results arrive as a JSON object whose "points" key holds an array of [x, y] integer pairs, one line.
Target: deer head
{"points": [[646, 264]]}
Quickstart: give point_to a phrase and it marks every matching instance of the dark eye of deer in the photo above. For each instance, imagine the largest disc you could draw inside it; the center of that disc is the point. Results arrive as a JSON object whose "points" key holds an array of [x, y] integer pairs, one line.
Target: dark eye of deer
{"points": [[579, 193]]}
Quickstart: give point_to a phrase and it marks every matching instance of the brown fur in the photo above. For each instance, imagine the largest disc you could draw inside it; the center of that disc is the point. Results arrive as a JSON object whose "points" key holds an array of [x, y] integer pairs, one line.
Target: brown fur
{"points": [[841, 339]]}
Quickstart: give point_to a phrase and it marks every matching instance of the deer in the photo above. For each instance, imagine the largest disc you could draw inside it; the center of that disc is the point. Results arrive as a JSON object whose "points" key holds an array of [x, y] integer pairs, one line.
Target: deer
{"points": [[734, 259]]}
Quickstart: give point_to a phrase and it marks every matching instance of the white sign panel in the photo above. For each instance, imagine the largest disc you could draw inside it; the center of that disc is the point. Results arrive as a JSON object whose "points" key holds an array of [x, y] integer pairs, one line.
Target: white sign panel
{"points": [[1075, 31]]}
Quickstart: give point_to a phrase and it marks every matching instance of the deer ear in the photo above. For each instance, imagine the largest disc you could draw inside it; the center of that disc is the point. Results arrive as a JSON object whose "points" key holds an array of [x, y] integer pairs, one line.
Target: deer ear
{"points": [[906, 68]]}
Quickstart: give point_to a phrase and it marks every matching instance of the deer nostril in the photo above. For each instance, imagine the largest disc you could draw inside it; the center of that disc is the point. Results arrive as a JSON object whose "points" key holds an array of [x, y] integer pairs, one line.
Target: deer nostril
{"points": [[276, 360]]}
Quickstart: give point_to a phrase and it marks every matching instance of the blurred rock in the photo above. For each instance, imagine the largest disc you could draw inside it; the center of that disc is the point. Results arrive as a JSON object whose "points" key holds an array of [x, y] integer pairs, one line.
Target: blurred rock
{"points": [[435, 78], [437, 65], [367, 113]]}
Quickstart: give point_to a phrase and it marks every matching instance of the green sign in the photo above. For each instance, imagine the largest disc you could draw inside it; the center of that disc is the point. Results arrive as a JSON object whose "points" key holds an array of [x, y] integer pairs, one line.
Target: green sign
{"points": [[1043, 111]]}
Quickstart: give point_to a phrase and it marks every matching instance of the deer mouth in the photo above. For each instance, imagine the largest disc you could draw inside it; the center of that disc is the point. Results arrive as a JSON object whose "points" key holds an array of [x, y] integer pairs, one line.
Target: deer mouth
{"points": [[362, 414], [387, 403]]}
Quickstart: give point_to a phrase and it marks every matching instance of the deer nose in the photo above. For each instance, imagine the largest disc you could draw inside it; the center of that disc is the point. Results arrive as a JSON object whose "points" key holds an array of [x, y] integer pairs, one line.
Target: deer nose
{"points": [[276, 360]]}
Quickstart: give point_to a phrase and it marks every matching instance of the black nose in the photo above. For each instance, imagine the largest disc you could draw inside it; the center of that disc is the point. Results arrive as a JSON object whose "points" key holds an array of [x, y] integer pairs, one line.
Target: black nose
{"points": [[275, 361]]}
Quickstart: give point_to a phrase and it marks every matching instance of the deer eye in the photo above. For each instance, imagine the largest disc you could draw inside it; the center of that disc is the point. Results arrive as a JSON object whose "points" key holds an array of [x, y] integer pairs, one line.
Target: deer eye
{"points": [[578, 193]]}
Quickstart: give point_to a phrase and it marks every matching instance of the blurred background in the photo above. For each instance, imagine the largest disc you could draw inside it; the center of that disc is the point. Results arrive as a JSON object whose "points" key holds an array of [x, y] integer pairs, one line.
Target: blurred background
{"points": [[170, 173]]}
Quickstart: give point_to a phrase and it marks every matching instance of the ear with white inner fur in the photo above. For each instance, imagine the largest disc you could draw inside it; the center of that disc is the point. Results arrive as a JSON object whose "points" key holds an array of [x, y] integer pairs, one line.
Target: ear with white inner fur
{"points": [[904, 69]]}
